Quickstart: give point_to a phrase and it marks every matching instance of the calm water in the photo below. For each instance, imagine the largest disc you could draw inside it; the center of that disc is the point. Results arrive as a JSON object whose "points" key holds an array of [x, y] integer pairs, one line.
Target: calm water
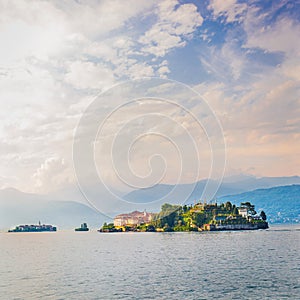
{"points": [[223, 265]]}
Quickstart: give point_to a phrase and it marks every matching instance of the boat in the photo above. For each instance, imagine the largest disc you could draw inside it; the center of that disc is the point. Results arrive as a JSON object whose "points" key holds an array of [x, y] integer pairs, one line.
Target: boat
{"points": [[34, 228], [83, 227]]}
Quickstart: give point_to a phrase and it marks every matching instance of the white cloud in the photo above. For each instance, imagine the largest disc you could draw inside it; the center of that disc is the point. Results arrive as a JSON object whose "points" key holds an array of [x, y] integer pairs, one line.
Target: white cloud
{"points": [[134, 133], [59, 30], [163, 71], [138, 70], [97, 18], [52, 175], [261, 121], [226, 63], [181, 20], [282, 36], [230, 9], [84, 75], [158, 41], [56, 55], [175, 24], [27, 31]]}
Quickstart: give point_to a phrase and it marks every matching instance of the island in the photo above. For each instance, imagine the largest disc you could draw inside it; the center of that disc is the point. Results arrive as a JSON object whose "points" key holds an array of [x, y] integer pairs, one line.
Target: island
{"points": [[34, 228], [197, 217], [83, 227]]}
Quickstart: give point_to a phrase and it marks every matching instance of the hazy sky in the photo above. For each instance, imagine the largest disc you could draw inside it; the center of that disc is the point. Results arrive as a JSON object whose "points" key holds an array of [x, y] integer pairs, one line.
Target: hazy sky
{"points": [[242, 57]]}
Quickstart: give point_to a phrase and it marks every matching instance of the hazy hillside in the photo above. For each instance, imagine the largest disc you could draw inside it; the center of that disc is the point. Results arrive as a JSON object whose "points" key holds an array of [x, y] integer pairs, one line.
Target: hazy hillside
{"points": [[230, 186], [164, 191], [281, 204], [17, 208]]}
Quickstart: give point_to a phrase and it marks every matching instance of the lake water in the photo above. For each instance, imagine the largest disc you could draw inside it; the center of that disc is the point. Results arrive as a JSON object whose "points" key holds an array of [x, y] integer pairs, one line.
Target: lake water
{"points": [[211, 265]]}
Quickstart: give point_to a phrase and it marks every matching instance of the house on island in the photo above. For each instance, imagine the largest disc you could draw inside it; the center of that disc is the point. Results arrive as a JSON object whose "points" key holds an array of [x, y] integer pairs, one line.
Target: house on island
{"points": [[133, 218], [243, 211]]}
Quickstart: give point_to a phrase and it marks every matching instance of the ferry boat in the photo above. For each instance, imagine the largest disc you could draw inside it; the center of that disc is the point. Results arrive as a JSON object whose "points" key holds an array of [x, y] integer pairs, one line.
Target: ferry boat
{"points": [[34, 228]]}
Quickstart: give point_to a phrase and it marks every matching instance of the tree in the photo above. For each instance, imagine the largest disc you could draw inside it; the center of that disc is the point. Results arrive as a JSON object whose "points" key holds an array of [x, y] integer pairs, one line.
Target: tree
{"points": [[235, 211], [166, 207], [167, 228], [150, 228], [263, 215], [184, 208], [169, 214], [228, 205], [214, 212], [200, 219], [250, 207]]}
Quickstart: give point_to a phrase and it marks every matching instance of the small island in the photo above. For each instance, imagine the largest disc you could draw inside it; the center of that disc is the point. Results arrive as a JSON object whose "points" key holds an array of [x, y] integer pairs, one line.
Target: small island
{"points": [[198, 217], [34, 228], [83, 227]]}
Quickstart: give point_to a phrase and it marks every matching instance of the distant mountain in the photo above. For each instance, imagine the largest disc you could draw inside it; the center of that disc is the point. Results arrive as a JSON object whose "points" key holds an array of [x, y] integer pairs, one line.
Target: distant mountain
{"points": [[160, 191], [281, 204], [67, 208], [252, 183], [22, 208], [229, 186], [238, 177]]}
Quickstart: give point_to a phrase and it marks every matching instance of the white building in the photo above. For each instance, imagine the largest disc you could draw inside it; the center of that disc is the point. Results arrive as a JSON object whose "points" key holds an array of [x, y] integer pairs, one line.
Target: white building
{"points": [[243, 211]]}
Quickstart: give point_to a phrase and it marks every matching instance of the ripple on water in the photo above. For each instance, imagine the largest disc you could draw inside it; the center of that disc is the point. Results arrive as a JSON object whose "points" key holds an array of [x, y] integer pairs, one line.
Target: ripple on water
{"points": [[225, 265]]}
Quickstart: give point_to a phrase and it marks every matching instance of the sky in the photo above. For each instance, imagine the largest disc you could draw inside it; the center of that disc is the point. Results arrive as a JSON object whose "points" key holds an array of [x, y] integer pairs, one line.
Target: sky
{"points": [[235, 65]]}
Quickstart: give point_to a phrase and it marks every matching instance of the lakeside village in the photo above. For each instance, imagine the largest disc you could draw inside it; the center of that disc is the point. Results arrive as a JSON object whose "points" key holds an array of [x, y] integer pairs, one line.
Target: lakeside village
{"points": [[198, 217]]}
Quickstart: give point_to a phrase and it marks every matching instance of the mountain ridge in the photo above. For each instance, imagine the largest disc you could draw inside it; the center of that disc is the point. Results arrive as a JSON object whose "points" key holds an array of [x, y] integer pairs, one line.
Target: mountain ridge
{"points": [[17, 207], [226, 188], [26, 208], [281, 203]]}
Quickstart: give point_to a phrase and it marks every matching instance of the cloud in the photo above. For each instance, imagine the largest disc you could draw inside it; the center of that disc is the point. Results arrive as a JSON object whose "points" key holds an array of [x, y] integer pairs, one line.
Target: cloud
{"points": [[139, 70], [84, 75], [282, 36], [65, 30], [55, 56], [231, 10], [175, 24], [52, 175], [95, 19], [261, 122], [28, 31], [149, 141], [158, 41], [226, 63], [163, 71]]}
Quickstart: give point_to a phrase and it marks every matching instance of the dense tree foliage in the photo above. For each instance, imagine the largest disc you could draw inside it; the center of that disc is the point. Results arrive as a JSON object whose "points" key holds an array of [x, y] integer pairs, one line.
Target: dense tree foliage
{"points": [[235, 211], [169, 215], [263, 215]]}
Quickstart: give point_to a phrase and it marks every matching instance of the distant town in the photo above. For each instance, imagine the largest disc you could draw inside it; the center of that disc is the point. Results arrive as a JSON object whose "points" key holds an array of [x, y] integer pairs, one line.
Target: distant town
{"points": [[198, 217]]}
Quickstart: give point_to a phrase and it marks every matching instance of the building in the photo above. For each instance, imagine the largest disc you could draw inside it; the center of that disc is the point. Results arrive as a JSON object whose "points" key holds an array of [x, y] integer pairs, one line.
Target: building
{"points": [[243, 211], [133, 218]]}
